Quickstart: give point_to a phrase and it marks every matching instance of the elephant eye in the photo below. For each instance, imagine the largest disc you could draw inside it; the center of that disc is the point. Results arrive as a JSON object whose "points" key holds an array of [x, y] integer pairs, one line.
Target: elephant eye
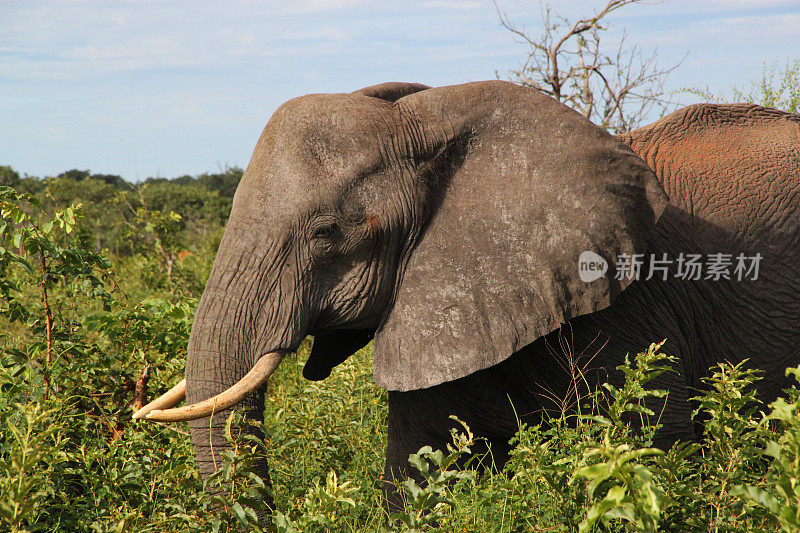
{"points": [[325, 232]]}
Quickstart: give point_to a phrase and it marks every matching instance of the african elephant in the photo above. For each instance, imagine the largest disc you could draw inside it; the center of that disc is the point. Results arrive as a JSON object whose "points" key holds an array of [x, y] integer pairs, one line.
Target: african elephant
{"points": [[448, 223]]}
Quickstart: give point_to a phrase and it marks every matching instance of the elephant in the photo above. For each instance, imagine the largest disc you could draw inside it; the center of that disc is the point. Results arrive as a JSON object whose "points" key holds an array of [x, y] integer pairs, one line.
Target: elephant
{"points": [[447, 224]]}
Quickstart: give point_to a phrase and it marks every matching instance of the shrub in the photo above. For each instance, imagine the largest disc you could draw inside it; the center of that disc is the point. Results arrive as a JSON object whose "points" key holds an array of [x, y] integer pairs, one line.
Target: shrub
{"points": [[81, 340]]}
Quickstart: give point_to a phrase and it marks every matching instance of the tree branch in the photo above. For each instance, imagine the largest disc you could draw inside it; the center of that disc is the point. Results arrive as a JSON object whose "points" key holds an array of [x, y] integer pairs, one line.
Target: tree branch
{"points": [[616, 90]]}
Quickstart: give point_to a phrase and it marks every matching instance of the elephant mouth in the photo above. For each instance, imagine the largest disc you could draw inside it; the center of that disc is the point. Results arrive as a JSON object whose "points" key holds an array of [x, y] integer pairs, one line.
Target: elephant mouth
{"points": [[162, 408]]}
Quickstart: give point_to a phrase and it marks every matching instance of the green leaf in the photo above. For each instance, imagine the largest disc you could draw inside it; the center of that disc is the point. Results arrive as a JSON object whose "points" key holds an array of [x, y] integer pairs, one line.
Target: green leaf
{"points": [[759, 496]]}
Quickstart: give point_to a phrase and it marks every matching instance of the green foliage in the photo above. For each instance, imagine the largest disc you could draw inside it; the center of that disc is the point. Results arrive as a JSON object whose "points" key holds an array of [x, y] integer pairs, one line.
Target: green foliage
{"points": [[328, 430], [733, 447], [426, 504], [320, 507], [574, 472], [114, 211], [194, 203], [34, 451], [82, 328], [76, 175], [237, 494], [98, 227], [66, 382], [224, 182], [779, 88], [630, 492], [8, 176], [596, 472], [633, 496], [783, 475]]}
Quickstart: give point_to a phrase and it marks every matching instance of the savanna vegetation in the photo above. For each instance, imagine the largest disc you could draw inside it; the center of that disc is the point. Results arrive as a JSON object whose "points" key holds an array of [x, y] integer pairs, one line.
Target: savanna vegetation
{"points": [[89, 335], [99, 279]]}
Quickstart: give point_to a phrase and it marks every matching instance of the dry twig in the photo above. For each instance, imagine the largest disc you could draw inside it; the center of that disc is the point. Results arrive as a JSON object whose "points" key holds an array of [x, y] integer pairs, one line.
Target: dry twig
{"points": [[616, 90]]}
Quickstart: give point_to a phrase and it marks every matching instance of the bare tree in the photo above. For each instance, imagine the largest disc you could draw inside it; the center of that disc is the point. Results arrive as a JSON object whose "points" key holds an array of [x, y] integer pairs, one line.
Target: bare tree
{"points": [[616, 90]]}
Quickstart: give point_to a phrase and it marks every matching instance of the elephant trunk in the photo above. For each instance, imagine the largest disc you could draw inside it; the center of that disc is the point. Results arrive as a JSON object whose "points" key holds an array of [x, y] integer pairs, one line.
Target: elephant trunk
{"points": [[211, 372], [208, 433], [242, 329]]}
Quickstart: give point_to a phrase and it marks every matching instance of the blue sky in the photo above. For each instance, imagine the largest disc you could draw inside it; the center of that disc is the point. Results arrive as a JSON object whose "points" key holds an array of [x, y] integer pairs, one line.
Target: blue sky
{"points": [[142, 88]]}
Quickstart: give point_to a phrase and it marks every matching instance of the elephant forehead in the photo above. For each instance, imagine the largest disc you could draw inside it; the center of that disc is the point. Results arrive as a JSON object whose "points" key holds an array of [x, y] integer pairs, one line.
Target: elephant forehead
{"points": [[311, 150], [288, 192], [331, 123]]}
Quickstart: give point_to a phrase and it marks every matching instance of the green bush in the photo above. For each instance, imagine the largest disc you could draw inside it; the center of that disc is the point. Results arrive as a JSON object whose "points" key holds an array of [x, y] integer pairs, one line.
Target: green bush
{"points": [[86, 332], [779, 88]]}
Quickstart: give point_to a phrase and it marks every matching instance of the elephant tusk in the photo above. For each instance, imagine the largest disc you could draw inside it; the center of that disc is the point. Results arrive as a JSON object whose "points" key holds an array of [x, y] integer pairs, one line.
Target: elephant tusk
{"points": [[171, 398], [257, 376]]}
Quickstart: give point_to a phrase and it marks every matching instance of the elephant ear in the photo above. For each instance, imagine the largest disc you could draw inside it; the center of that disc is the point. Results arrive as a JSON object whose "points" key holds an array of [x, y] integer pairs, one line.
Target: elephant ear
{"points": [[391, 91], [518, 187]]}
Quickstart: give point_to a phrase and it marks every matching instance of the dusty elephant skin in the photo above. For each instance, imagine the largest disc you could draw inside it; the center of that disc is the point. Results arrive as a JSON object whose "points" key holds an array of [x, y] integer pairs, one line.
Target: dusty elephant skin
{"points": [[447, 224]]}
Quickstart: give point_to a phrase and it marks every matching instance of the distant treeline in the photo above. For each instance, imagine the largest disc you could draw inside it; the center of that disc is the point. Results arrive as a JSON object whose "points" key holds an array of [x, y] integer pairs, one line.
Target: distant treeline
{"points": [[112, 206]]}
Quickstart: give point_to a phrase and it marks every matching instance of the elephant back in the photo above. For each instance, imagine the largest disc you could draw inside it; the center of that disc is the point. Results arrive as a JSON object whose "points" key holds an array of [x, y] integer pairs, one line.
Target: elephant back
{"points": [[733, 170], [732, 173]]}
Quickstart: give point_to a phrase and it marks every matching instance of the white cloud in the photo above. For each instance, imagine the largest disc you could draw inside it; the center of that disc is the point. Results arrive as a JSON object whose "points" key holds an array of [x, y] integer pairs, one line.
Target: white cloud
{"points": [[313, 6], [445, 4], [318, 34], [187, 76], [767, 27]]}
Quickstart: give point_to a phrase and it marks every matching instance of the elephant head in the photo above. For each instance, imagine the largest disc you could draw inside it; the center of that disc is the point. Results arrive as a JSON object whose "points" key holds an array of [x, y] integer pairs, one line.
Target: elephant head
{"points": [[445, 222]]}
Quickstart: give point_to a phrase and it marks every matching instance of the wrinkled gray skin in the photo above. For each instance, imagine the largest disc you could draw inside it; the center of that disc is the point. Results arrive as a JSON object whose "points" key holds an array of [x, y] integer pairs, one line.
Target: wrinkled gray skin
{"points": [[732, 173], [448, 222]]}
